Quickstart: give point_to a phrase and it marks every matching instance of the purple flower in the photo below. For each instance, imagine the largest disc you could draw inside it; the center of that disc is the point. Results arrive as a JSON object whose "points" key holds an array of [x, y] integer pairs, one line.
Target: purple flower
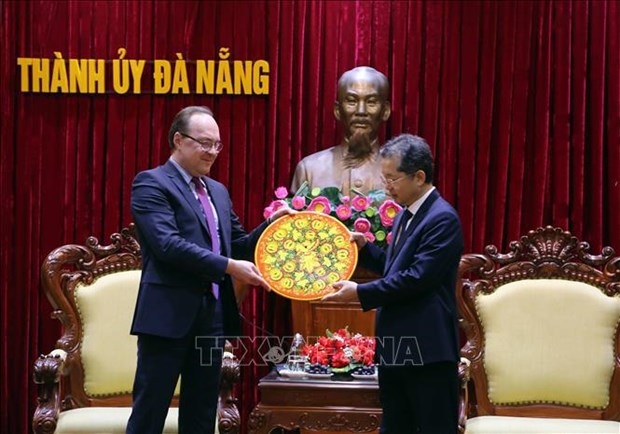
{"points": [[281, 192], [362, 225], [343, 212], [320, 204], [298, 202]]}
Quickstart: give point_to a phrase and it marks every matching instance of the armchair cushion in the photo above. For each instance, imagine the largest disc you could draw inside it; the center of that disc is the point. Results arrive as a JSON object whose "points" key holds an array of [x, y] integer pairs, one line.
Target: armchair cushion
{"points": [[105, 420], [529, 425], [106, 308], [569, 328]]}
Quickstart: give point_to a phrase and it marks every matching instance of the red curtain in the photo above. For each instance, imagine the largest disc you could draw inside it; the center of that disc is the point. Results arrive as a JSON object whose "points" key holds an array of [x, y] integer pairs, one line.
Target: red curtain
{"points": [[519, 100]]}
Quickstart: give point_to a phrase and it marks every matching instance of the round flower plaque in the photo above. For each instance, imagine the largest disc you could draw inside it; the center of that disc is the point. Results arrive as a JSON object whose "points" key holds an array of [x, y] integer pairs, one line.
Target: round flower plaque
{"points": [[302, 255]]}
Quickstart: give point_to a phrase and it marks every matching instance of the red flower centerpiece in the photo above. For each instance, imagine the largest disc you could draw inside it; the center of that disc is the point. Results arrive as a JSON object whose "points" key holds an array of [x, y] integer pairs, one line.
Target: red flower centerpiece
{"points": [[341, 352]]}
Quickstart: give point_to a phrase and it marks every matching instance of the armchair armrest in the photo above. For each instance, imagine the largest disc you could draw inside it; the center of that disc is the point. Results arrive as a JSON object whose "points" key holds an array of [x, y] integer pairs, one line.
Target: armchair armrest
{"points": [[48, 370], [229, 420], [464, 396]]}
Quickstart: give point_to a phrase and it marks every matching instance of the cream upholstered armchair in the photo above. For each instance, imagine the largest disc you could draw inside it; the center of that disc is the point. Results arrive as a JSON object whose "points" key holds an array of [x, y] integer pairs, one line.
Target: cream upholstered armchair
{"points": [[84, 385], [542, 329]]}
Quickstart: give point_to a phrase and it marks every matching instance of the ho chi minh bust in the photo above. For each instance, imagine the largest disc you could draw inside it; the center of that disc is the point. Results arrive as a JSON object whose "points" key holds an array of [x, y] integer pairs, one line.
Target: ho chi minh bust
{"points": [[362, 105]]}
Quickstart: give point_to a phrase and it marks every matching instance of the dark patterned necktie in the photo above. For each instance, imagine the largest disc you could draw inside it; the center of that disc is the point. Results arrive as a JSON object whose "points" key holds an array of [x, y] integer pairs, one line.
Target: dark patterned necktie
{"points": [[402, 227]]}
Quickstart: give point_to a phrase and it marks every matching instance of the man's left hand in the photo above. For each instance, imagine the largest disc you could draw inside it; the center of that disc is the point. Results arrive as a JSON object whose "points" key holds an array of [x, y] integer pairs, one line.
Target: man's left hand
{"points": [[345, 291]]}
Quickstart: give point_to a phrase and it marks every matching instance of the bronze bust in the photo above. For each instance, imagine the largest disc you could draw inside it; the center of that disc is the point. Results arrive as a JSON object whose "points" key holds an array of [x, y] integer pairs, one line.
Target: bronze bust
{"points": [[362, 105]]}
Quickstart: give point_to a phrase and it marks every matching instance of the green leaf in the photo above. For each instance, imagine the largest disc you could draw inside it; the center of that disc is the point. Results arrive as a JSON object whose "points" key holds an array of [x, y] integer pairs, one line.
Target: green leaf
{"points": [[302, 190], [332, 194]]}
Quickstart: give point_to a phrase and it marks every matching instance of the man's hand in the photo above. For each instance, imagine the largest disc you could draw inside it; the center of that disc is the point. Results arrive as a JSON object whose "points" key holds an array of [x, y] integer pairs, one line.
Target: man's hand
{"points": [[285, 210], [246, 272], [359, 239], [345, 291]]}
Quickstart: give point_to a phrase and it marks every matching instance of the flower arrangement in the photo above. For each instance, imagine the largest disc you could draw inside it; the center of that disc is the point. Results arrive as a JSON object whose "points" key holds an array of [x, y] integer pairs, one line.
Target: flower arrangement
{"points": [[342, 352], [371, 214]]}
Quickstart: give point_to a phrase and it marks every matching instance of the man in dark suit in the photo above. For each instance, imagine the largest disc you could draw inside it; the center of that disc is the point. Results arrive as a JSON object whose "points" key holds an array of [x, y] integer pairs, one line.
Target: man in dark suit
{"points": [[188, 235], [416, 322]]}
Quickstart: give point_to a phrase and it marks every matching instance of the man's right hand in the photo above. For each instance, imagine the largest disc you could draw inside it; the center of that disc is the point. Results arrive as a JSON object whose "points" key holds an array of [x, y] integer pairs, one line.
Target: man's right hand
{"points": [[359, 239], [246, 272]]}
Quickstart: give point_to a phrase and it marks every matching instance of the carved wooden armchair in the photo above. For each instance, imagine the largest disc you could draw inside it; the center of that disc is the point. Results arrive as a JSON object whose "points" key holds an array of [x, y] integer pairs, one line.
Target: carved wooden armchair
{"points": [[84, 385], [542, 329]]}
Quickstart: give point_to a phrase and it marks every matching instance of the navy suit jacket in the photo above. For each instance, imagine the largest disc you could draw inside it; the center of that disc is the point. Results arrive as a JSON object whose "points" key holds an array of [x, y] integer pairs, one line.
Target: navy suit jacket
{"points": [[178, 265], [416, 320]]}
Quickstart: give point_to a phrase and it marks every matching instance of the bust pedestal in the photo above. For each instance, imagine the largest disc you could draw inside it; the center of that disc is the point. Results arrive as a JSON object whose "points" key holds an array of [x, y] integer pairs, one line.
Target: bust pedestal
{"points": [[311, 318]]}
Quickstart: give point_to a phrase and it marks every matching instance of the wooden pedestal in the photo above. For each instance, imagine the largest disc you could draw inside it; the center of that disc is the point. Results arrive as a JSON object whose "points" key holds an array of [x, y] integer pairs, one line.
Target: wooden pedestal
{"points": [[312, 318], [316, 406]]}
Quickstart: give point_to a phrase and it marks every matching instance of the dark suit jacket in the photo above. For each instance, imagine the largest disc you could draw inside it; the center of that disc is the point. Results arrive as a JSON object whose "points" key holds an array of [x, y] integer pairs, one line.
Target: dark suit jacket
{"points": [[416, 319], [178, 265]]}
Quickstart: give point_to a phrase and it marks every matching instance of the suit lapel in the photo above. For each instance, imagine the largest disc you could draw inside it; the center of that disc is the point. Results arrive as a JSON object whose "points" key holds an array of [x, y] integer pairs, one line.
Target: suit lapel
{"points": [[417, 218], [186, 192], [395, 227]]}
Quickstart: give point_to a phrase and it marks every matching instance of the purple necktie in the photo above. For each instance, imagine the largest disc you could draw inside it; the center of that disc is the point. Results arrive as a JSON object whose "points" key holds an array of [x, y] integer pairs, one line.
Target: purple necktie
{"points": [[210, 216]]}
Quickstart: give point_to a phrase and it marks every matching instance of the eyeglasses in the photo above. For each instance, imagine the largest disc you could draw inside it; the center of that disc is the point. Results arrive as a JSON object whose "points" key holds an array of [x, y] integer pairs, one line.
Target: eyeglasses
{"points": [[389, 182], [206, 145]]}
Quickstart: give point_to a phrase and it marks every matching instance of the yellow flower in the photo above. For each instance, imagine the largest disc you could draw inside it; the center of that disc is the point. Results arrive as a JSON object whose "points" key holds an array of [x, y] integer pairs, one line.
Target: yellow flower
{"points": [[289, 266], [333, 277], [287, 283], [326, 248], [309, 262], [272, 247], [318, 285], [317, 225], [279, 235], [340, 241], [275, 274], [342, 254], [301, 223]]}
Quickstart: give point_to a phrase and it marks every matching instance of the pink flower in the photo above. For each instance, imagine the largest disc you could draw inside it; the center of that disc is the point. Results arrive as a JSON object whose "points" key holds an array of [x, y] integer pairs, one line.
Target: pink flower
{"points": [[320, 204], [389, 238], [281, 192], [267, 212], [343, 212], [298, 202], [345, 200], [370, 237], [277, 204], [387, 212], [362, 225], [360, 203]]}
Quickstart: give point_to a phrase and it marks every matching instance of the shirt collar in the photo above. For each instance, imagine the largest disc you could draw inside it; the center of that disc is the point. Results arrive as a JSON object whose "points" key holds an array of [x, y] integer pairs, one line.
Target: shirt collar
{"points": [[184, 173], [415, 206]]}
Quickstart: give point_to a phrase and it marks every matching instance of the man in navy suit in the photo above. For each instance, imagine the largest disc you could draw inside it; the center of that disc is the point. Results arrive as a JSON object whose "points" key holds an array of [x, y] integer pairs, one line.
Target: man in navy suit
{"points": [[188, 235], [416, 322]]}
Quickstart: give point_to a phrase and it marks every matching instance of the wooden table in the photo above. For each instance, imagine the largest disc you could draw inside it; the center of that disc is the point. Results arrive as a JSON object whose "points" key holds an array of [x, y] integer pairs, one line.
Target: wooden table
{"points": [[316, 405]]}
